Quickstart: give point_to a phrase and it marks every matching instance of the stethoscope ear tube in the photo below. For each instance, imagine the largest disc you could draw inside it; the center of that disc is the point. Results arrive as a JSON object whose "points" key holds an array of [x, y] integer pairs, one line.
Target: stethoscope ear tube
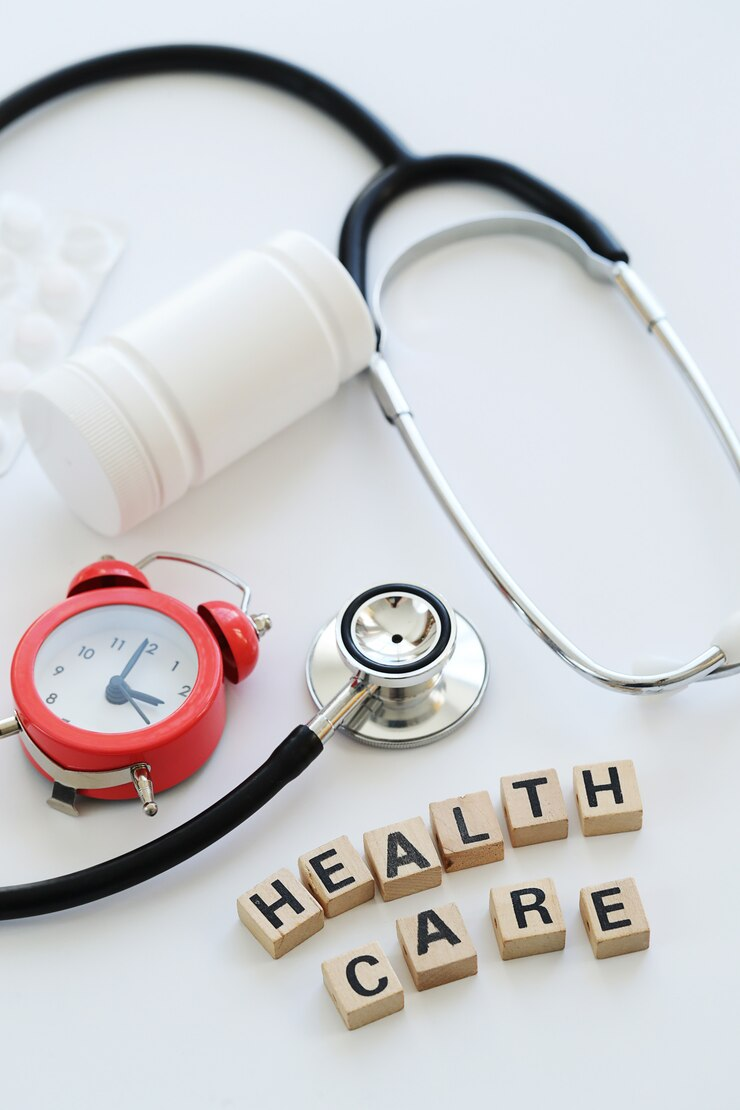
{"points": [[414, 173], [287, 762], [711, 663]]}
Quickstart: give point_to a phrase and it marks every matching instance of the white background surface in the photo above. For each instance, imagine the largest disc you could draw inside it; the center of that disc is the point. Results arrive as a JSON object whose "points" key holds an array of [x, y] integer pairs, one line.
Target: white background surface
{"points": [[570, 439]]}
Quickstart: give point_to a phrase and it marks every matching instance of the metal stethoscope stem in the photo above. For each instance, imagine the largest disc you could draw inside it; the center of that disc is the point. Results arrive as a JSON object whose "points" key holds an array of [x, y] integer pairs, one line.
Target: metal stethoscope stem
{"points": [[711, 663]]}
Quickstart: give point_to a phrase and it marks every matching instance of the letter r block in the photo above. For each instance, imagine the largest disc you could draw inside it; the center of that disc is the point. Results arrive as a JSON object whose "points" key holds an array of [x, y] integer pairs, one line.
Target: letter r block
{"points": [[280, 913], [608, 797], [402, 858], [614, 919], [337, 876], [363, 985], [527, 919]]}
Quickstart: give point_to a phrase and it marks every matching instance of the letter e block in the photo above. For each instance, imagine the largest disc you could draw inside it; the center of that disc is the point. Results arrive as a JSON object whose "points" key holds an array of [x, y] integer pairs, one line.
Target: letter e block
{"points": [[527, 919], [402, 858], [614, 918], [337, 876], [280, 913], [467, 831], [436, 947], [608, 797], [534, 807], [363, 985]]}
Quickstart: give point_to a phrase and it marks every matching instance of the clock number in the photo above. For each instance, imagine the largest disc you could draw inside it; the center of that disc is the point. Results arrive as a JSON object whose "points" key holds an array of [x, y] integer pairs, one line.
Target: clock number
{"points": [[58, 670], [51, 699], [86, 652], [185, 691], [151, 649], [117, 644], [177, 664]]}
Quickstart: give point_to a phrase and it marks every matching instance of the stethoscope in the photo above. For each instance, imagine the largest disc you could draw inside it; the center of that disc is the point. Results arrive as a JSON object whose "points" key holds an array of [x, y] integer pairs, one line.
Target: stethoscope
{"points": [[392, 648]]}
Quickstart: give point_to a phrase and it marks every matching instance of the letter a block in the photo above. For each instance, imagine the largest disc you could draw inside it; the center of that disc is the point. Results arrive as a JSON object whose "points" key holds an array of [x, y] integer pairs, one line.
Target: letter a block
{"points": [[280, 913], [467, 831], [337, 876], [608, 797], [436, 947], [363, 985], [614, 918], [527, 919], [534, 808], [402, 858]]}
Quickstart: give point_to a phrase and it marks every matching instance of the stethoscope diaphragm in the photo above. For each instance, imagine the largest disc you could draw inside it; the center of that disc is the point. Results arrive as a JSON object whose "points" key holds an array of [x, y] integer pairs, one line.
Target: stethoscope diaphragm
{"points": [[425, 662]]}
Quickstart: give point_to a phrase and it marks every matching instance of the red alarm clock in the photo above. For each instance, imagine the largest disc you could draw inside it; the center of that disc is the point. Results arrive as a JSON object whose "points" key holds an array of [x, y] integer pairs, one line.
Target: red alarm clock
{"points": [[120, 688]]}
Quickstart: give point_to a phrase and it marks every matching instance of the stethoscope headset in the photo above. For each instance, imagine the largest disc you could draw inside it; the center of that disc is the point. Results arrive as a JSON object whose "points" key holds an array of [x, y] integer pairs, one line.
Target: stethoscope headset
{"points": [[394, 637]]}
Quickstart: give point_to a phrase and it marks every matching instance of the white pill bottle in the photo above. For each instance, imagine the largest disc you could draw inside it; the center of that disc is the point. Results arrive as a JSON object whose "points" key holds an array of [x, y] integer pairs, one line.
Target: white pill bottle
{"points": [[125, 428]]}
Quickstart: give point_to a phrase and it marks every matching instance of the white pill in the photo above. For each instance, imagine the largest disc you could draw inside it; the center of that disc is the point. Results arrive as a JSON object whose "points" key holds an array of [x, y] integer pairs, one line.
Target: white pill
{"points": [[21, 222], [36, 337], [86, 244], [61, 290], [14, 376], [8, 273]]}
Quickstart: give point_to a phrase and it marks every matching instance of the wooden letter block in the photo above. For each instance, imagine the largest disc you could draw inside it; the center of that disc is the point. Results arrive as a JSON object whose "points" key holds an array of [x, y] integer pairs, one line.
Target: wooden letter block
{"points": [[363, 985], [436, 947], [534, 807], [527, 919], [337, 876], [608, 797], [402, 858], [614, 918], [467, 831], [280, 913]]}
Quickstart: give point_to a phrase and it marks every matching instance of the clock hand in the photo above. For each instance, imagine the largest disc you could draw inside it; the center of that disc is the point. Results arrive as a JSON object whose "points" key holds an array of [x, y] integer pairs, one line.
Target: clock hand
{"points": [[134, 658], [142, 714], [148, 698]]}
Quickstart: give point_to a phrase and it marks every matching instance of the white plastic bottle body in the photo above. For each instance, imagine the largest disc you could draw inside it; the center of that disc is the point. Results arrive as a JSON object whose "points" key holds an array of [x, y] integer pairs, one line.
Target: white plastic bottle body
{"points": [[126, 427]]}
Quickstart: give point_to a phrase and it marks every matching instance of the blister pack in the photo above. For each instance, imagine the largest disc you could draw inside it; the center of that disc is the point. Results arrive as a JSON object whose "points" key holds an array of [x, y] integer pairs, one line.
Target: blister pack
{"points": [[52, 268]]}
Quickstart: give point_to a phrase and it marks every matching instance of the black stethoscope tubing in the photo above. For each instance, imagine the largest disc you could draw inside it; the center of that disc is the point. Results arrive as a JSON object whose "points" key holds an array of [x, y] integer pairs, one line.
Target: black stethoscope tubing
{"points": [[402, 172]]}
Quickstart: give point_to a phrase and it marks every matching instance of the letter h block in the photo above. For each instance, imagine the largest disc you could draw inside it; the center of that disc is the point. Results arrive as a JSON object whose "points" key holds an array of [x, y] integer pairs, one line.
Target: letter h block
{"points": [[280, 913], [608, 797]]}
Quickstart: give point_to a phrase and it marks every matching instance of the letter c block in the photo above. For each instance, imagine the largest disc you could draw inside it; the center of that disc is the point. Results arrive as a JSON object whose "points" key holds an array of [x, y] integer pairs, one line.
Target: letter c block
{"points": [[363, 985]]}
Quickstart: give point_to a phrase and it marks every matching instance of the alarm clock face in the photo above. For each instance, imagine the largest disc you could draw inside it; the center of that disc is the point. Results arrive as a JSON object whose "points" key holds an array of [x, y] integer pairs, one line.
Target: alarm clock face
{"points": [[116, 668]]}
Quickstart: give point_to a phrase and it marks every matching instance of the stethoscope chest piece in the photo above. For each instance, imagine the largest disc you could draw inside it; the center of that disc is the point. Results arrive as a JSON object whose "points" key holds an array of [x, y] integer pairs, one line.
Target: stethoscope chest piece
{"points": [[425, 665]]}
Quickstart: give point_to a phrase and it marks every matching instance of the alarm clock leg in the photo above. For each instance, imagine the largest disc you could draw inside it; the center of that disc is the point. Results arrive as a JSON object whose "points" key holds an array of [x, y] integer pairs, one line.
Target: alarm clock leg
{"points": [[64, 799], [144, 788]]}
